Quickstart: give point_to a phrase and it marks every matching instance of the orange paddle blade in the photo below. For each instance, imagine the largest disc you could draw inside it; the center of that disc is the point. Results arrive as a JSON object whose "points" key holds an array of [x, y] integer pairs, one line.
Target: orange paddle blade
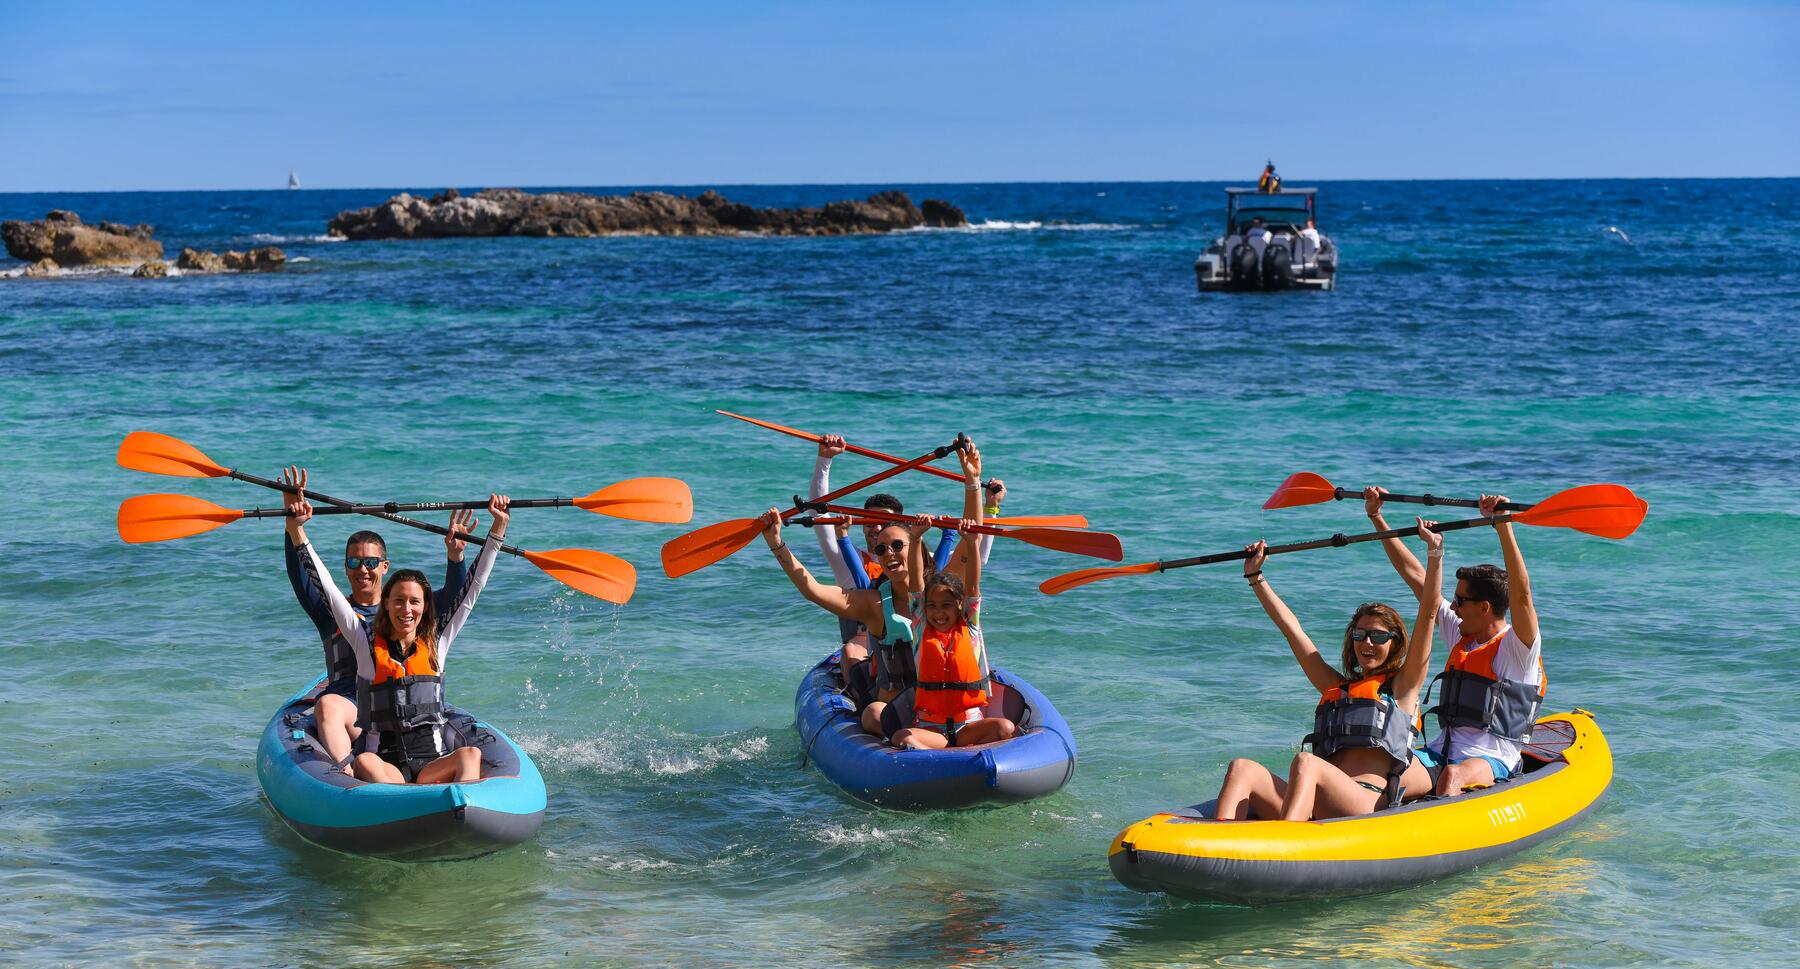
{"points": [[159, 518], [1041, 521], [1100, 545], [702, 547], [598, 574], [1301, 488], [162, 454], [665, 500], [1069, 580], [1606, 510], [781, 428]]}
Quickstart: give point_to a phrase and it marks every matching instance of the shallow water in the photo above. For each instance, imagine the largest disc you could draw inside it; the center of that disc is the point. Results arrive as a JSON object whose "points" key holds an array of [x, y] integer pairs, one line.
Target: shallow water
{"points": [[1486, 335]]}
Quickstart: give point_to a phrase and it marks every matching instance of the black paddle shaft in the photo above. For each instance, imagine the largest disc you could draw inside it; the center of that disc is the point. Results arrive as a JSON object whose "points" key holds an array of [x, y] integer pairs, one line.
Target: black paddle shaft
{"points": [[1336, 541], [341, 503], [1342, 494]]}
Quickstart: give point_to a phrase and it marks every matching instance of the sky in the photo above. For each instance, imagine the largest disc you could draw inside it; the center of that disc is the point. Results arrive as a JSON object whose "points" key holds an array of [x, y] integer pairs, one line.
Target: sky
{"points": [[103, 96]]}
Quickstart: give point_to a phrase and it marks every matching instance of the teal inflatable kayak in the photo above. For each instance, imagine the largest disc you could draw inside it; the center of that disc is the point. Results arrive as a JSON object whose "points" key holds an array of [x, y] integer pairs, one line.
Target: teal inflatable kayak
{"points": [[414, 822]]}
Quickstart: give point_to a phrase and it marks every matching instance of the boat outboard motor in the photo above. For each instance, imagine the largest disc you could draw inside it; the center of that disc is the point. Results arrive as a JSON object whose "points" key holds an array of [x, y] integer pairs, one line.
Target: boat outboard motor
{"points": [[1277, 266], [1243, 266]]}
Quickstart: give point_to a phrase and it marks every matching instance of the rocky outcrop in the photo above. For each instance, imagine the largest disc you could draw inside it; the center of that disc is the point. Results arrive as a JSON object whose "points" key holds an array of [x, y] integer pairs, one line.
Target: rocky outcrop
{"points": [[940, 214], [266, 259], [63, 237], [511, 212], [42, 269], [154, 269]]}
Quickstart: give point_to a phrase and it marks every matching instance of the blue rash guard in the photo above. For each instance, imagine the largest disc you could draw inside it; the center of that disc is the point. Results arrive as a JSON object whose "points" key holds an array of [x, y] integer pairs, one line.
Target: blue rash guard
{"points": [[340, 660]]}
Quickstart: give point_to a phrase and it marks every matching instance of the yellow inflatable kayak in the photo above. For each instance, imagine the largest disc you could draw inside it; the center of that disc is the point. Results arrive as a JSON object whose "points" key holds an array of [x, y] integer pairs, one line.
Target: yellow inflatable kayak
{"points": [[1567, 767]]}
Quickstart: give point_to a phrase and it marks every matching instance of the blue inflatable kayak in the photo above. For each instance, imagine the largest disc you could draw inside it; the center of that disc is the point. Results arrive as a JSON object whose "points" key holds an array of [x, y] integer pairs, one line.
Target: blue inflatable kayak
{"points": [[1037, 762], [414, 822]]}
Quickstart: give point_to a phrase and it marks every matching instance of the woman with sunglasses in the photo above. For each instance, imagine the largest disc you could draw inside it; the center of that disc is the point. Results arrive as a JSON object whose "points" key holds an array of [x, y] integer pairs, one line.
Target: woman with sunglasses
{"points": [[885, 611], [1361, 758], [400, 657]]}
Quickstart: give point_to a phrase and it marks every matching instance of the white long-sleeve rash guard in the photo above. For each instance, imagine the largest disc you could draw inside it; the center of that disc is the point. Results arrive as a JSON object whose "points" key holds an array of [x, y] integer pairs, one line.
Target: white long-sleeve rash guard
{"points": [[360, 632]]}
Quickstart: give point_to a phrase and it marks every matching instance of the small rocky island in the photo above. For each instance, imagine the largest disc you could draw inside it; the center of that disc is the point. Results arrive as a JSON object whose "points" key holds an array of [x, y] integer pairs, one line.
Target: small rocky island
{"points": [[512, 212], [61, 241]]}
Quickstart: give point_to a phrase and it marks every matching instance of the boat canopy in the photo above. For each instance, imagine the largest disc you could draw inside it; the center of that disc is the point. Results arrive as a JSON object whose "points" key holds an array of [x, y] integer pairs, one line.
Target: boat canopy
{"points": [[1289, 207]]}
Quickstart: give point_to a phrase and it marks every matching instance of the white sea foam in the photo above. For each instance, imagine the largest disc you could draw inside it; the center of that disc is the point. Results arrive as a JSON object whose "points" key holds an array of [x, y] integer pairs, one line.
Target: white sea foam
{"points": [[1027, 225], [632, 864], [270, 237]]}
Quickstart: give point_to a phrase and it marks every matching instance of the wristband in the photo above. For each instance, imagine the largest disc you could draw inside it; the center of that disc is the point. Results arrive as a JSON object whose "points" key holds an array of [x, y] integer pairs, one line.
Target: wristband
{"points": [[779, 548], [1436, 553], [1252, 575], [991, 509]]}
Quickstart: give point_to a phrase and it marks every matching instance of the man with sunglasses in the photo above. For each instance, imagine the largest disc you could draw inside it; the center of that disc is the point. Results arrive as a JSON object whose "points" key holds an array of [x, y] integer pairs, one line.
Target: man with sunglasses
{"points": [[365, 566], [854, 568], [1494, 680]]}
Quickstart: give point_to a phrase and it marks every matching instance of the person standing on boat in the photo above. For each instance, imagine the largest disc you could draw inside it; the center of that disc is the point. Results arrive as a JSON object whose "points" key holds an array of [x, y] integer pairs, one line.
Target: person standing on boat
{"points": [[365, 566], [1494, 680], [1269, 182], [400, 659]]}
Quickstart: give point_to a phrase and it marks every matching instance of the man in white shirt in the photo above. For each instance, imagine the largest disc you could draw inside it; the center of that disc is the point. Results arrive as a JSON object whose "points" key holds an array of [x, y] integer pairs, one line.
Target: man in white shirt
{"points": [[1490, 653]]}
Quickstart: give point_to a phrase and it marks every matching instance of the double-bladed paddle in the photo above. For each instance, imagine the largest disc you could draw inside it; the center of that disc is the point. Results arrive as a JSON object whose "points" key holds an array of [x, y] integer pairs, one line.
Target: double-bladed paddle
{"points": [[1607, 510], [1100, 545], [852, 448], [705, 546], [1307, 488], [152, 518]]}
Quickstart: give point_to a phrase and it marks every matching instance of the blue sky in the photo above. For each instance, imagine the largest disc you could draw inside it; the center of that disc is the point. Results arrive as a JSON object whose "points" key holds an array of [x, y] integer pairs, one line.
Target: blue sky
{"points": [[105, 96]]}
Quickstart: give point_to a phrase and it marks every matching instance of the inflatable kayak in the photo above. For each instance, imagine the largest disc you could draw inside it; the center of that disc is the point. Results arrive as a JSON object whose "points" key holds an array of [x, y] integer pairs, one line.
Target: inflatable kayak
{"points": [[1039, 761], [1567, 767], [415, 822]]}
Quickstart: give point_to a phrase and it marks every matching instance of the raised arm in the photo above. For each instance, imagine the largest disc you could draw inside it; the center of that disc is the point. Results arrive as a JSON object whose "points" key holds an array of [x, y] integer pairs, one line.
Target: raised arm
{"points": [[833, 599], [456, 571], [1518, 583], [349, 622], [843, 569], [1418, 651], [992, 509], [966, 560], [1411, 572], [499, 509], [1319, 672]]}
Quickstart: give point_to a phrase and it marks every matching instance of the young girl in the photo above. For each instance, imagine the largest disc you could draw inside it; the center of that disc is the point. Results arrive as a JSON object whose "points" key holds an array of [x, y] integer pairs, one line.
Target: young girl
{"points": [[400, 658], [1362, 728]]}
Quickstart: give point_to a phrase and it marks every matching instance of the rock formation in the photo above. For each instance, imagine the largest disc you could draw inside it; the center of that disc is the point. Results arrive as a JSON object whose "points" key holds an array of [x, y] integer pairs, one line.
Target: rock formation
{"points": [[511, 212], [62, 236], [43, 268], [154, 269], [266, 259], [940, 214]]}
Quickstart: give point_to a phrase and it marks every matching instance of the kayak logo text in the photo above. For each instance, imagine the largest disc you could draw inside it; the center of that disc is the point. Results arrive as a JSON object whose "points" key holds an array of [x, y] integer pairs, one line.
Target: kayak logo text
{"points": [[1506, 815]]}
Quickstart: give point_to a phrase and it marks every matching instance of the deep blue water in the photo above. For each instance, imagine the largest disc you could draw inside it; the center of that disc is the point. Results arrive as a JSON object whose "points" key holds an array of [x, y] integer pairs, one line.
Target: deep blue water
{"points": [[1484, 336]]}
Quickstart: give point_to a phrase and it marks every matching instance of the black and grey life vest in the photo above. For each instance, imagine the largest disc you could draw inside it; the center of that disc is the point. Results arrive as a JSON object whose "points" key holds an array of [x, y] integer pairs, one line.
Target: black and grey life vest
{"points": [[404, 706], [1361, 714], [1473, 696]]}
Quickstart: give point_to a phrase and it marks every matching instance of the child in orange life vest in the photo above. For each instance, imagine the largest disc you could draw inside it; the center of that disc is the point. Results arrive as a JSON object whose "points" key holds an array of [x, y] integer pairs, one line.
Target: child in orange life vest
{"points": [[1356, 777], [951, 660]]}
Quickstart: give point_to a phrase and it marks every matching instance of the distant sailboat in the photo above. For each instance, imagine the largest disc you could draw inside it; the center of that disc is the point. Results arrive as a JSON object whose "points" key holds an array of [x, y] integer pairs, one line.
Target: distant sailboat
{"points": [[293, 179]]}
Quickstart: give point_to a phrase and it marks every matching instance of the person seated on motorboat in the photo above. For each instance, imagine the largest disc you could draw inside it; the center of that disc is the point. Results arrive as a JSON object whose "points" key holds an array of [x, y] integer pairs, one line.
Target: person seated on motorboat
{"points": [[947, 702], [1362, 758], [400, 660], [854, 567], [1493, 681], [365, 565], [885, 610]]}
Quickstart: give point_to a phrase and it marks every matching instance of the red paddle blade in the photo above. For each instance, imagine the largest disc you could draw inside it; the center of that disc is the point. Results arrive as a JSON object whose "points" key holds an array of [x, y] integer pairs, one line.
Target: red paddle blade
{"points": [[159, 518], [702, 547], [1056, 585], [1100, 545], [1041, 521], [665, 500], [162, 454], [792, 431], [598, 574], [1301, 488], [1606, 510]]}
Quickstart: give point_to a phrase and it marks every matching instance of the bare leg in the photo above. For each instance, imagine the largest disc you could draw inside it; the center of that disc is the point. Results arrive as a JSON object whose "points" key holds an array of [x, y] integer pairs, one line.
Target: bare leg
{"points": [[1416, 782], [1249, 785], [852, 653], [1318, 789], [987, 730], [1474, 772], [871, 718], [370, 767], [335, 720], [460, 766], [920, 738]]}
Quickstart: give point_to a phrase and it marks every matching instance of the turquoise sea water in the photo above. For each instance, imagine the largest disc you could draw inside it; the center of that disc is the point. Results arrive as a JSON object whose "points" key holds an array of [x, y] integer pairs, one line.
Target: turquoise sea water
{"points": [[1486, 335]]}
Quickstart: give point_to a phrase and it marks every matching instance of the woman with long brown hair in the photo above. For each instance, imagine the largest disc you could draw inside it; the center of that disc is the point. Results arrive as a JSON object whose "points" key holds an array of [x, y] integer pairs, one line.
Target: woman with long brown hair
{"points": [[1361, 758]]}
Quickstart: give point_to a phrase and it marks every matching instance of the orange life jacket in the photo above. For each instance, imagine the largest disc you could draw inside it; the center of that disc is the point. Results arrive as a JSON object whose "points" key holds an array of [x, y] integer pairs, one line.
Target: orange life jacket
{"points": [[1474, 696], [404, 706], [953, 674], [422, 661]]}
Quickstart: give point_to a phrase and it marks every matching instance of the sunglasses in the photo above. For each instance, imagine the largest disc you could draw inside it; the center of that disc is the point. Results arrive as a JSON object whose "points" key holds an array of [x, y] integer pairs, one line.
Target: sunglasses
{"points": [[370, 562], [1379, 637], [881, 548], [1459, 601]]}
